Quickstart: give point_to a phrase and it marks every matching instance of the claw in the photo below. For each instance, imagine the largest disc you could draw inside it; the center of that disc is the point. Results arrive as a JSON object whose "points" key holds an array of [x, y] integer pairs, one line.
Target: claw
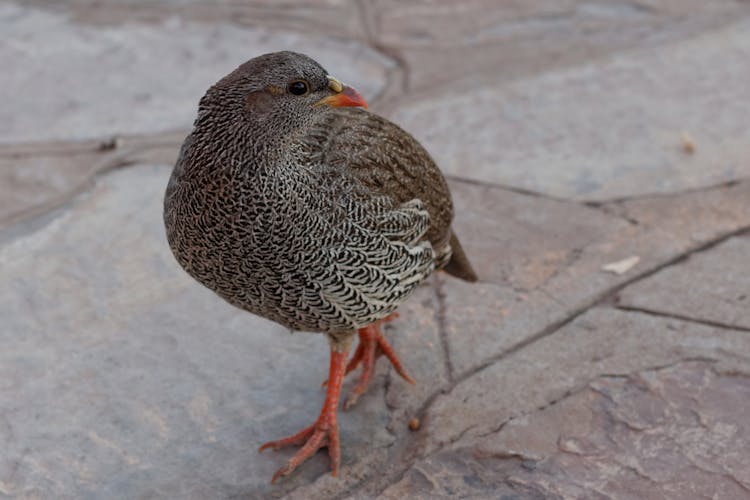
{"points": [[323, 433], [372, 345]]}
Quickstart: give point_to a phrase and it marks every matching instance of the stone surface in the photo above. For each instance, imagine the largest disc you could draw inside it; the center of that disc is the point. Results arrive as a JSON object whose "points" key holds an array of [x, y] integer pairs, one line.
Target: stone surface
{"points": [[523, 241], [37, 178], [613, 402], [149, 78], [417, 335], [35, 183], [709, 286], [674, 432], [541, 260], [480, 43], [601, 131], [693, 215], [339, 17], [479, 321], [624, 126], [130, 371], [599, 342]]}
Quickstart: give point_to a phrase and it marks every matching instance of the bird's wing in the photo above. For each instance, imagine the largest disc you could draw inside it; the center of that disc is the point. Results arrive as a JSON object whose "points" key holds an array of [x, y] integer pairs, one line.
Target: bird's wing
{"points": [[390, 161], [386, 159], [328, 254], [373, 261]]}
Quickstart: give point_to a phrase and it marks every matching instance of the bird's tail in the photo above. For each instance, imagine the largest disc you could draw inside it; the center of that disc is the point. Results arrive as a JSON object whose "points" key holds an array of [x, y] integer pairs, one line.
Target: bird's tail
{"points": [[459, 265]]}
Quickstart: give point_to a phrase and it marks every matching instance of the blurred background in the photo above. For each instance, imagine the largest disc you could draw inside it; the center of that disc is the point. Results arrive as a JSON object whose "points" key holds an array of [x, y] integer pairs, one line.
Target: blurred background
{"points": [[627, 83], [576, 135]]}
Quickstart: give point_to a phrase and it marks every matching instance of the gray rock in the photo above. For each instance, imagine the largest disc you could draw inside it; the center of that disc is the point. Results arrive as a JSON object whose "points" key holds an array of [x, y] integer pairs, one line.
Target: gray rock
{"points": [[337, 17], [39, 177], [602, 130], [710, 286], [28, 185], [671, 432], [82, 81], [482, 43], [540, 260], [613, 402], [601, 341], [123, 377]]}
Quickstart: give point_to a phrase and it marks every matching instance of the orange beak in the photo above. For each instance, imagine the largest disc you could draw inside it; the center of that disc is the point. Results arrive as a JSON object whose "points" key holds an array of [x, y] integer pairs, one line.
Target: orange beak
{"points": [[344, 96]]}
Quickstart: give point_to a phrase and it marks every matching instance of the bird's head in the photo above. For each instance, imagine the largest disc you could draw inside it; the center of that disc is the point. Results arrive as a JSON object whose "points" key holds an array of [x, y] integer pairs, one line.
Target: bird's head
{"points": [[280, 90]]}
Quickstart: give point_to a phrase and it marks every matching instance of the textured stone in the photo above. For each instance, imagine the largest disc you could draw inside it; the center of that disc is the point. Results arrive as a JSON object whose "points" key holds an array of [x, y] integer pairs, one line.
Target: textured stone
{"points": [[602, 341], [523, 241], [519, 245], [674, 432], [613, 402], [711, 286], [483, 42], [28, 185], [602, 130], [123, 377], [38, 178], [320, 16], [541, 260], [691, 215], [421, 350], [149, 77]]}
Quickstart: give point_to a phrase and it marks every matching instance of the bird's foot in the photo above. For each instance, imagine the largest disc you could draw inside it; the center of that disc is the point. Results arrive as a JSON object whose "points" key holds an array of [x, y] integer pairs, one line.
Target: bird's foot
{"points": [[372, 345], [325, 430], [321, 434]]}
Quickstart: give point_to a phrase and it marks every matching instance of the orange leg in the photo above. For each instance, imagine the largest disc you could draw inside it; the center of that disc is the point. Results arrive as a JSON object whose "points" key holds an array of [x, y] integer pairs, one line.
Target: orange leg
{"points": [[325, 430], [372, 345]]}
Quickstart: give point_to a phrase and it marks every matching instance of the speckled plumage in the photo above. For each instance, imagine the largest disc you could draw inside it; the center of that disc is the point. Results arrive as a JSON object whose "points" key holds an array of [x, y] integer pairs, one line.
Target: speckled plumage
{"points": [[319, 218], [316, 216]]}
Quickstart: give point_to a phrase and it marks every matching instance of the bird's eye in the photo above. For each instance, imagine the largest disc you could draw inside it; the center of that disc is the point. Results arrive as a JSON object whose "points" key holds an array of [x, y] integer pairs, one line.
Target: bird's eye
{"points": [[298, 88]]}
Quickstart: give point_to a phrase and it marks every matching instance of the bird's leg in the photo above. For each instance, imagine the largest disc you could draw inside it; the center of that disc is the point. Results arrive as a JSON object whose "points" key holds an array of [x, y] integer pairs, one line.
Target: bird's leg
{"points": [[372, 345], [359, 353], [325, 430]]}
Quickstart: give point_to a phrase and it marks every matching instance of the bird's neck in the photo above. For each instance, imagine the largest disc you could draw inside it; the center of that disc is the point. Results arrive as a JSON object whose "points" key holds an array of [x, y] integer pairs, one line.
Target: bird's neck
{"points": [[236, 146]]}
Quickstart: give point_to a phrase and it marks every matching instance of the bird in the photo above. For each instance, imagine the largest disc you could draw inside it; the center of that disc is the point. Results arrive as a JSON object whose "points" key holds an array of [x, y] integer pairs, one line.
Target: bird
{"points": [[291, 200]]}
